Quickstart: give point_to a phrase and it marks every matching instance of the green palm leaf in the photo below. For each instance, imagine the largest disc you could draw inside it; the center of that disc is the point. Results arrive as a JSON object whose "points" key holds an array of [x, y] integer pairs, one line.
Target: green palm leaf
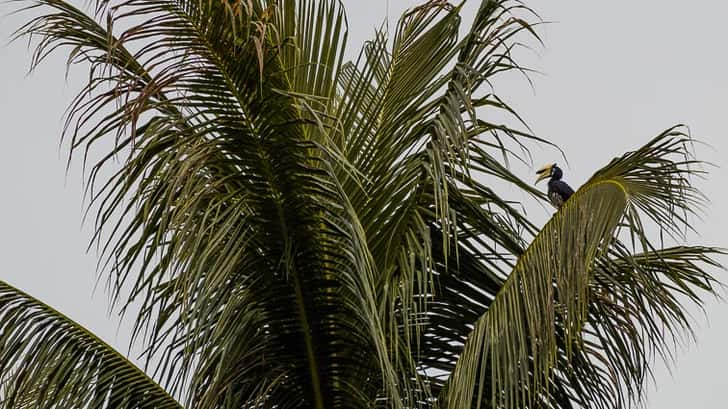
{"points": [[49, 361], [638, 313], [544, 306]]}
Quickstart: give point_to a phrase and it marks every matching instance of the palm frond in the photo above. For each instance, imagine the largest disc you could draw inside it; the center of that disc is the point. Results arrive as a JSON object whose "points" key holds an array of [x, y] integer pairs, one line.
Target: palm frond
{"points": [[639, 313], [540, 316], [49, 361]]}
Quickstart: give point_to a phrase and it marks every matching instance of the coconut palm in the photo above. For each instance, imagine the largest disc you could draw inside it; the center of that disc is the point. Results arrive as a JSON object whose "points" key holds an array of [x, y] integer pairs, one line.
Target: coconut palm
{"points": [[298, 231]]}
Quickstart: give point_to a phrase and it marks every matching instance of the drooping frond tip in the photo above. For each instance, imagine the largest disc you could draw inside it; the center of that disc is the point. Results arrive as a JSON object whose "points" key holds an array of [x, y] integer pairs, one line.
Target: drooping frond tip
{"points": [[657, 179], [48, 361]]}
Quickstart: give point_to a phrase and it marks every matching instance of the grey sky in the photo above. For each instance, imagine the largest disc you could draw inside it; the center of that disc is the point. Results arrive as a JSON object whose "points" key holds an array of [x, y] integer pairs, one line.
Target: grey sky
{"points": [[615, 74]]}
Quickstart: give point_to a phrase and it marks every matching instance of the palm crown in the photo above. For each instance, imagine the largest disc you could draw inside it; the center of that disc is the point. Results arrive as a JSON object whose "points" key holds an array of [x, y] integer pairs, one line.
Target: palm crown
{"points": [[304, 232]]}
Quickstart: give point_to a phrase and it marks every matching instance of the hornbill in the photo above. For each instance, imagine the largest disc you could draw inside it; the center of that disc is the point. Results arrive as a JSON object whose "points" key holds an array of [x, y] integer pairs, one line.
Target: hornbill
{"points": [[559, 191]]}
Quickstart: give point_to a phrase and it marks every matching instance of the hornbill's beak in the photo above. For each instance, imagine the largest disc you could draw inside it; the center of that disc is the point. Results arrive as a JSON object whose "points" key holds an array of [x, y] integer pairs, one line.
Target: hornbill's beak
{"points": [[544, 172]]}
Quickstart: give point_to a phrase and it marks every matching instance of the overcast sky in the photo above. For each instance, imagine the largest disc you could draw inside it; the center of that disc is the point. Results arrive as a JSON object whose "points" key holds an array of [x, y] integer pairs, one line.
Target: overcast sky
{"points": [[614, 75]]}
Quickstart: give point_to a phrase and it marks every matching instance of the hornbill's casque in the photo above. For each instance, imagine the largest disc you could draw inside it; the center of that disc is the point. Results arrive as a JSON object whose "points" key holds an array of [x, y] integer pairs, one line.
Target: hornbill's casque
{"points": [[558, 191]]}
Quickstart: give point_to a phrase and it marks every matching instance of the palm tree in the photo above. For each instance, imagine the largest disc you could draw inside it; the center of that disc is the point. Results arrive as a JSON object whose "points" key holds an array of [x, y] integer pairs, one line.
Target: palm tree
{"points": [[304, 232]]}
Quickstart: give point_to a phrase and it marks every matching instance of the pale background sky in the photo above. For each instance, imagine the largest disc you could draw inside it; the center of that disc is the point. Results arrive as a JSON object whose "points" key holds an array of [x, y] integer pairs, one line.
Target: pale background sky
{"points": [[614, 75]]}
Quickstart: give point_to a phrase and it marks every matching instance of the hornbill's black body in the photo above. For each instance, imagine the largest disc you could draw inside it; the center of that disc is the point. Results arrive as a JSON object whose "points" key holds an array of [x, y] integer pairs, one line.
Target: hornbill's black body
{"points": [[558, 191]]}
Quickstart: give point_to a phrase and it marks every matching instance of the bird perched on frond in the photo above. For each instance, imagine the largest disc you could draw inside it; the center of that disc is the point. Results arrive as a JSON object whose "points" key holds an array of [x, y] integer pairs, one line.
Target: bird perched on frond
{"points": [[558, 191]]}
